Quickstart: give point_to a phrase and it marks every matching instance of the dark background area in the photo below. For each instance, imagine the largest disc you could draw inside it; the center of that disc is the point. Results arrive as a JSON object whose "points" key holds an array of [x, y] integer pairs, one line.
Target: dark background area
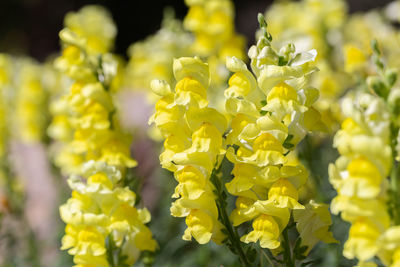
{"points": [[31, 27]]}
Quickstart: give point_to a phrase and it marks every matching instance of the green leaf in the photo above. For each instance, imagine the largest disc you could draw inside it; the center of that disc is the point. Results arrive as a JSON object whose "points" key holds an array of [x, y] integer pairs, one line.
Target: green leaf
{"points": [[378, 86], [375, 47], [286, 144]]}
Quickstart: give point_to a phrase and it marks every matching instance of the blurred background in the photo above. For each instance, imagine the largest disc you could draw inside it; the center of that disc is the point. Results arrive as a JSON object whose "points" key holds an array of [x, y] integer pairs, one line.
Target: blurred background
{"points": [[31, 27]]}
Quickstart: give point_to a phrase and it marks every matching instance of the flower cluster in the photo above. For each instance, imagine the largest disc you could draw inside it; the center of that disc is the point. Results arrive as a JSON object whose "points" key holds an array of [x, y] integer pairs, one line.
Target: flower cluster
{"points": [[86, 120], [271, 112], [193, 146], [359, 174], [369, 153], [23, 88], [101, 210]]}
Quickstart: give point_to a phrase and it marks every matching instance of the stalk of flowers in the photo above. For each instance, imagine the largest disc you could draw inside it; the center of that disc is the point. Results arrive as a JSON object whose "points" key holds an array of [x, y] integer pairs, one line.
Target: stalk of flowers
{"points": [[272, 111], [321, 29], [89, 103], [366, 197], [103, 225], [31, 102], [193, 146], [212, 23], [359, 175]]}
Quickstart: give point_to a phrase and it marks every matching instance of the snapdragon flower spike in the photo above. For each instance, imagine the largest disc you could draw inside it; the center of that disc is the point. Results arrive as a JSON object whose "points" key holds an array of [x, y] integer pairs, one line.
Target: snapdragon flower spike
{"points": [[193, 146], [359, 174], [101, 210], [85, 119], [272, 110]]}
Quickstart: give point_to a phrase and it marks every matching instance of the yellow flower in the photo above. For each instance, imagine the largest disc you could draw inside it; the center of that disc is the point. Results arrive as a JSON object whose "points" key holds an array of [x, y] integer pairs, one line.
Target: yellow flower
{"points": [[266, 230], [362, 244], [313, 224], [244, 211], [267, 151], [200, 226], [206, 146], [86, 244], [355, 59], [284, 195], [188, 89], [192, 182]]}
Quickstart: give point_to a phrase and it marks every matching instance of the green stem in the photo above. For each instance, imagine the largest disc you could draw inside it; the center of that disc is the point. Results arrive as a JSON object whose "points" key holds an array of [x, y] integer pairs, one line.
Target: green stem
{"points": [[233, 235], [394, 186], [289, 261], [394, 204]]}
